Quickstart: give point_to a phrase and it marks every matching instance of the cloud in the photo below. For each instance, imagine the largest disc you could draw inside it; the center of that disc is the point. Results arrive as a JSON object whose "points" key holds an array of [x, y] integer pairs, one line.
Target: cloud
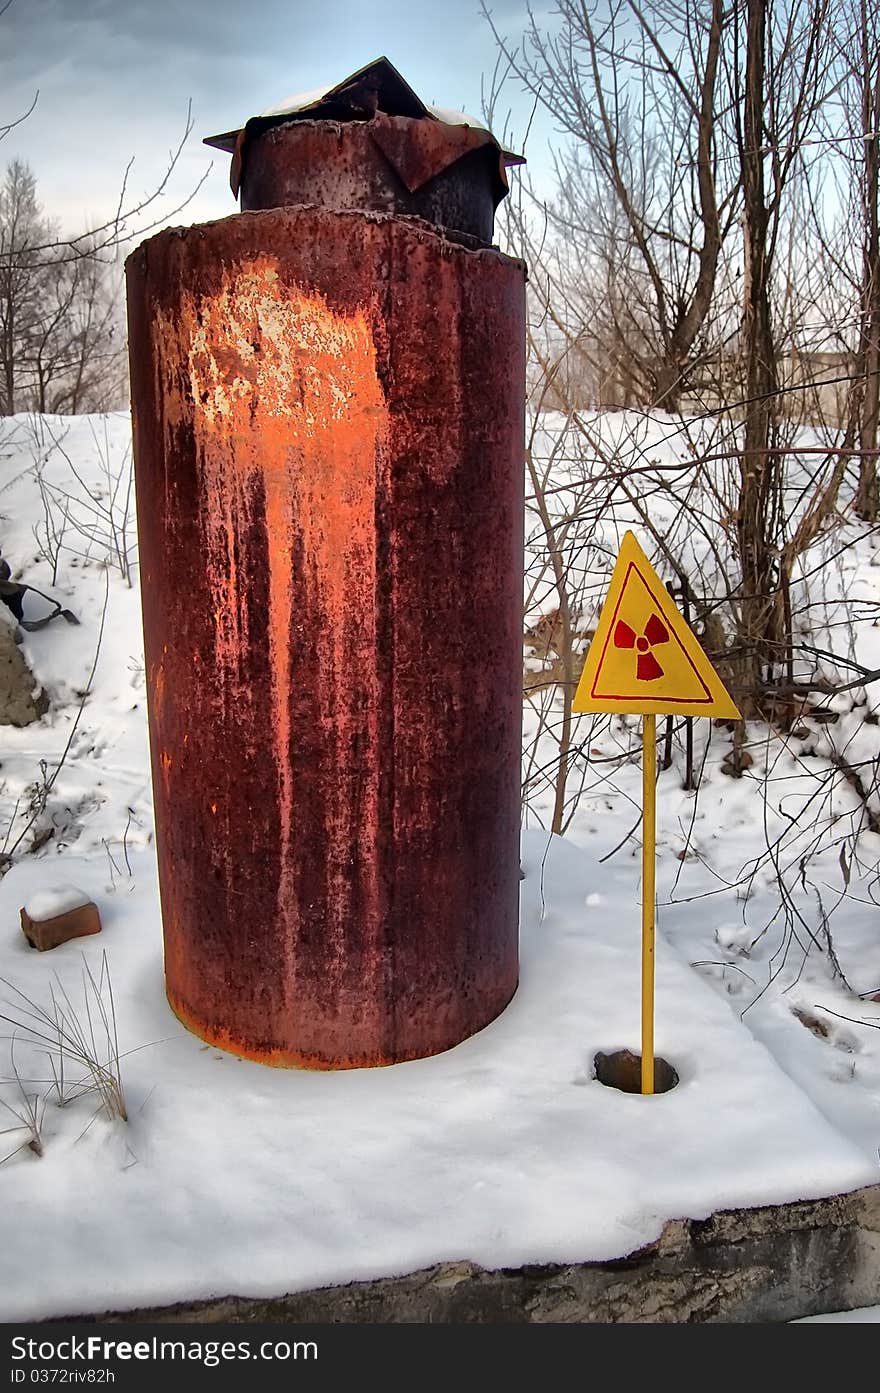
{"points": [[38, 33]]}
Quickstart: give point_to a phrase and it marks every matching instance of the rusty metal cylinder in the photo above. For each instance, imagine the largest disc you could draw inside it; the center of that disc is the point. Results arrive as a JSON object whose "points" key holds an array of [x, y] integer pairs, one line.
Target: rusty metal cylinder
{"points": [[366, 165], [328, 425]]}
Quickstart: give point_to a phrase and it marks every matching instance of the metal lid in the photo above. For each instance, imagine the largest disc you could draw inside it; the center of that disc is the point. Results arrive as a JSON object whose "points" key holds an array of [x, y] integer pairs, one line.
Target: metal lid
{"points": [[377, 88]]}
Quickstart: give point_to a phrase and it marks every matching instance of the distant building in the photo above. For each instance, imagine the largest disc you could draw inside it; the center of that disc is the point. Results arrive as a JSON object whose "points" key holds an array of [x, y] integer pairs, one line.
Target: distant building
{"points": [[815, 384]]}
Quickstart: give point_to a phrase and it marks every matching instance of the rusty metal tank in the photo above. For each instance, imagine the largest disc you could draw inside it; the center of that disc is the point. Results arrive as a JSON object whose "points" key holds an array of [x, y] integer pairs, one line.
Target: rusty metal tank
{"points": [[328, 428]]}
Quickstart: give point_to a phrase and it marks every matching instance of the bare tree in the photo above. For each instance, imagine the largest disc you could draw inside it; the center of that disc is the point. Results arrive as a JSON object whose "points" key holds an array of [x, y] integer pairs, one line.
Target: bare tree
{"points": [[61, 346], [641, 195], [741, 239], [779, 61], [61, 335], [22, 230], [78, 360], [861, 149]]}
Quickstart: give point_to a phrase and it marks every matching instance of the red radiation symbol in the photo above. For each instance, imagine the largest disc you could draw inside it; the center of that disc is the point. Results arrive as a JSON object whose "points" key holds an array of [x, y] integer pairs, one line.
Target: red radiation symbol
{"points": [[647, 668]]}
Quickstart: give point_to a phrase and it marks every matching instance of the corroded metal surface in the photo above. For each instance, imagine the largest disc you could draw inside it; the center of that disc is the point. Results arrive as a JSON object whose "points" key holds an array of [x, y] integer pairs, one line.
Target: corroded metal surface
{"points": [[328, 448], [451, 176]]}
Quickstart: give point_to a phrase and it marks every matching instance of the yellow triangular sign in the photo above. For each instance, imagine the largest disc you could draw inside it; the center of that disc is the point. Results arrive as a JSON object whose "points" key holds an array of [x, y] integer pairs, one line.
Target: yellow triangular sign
{"points": [[644, 657]]}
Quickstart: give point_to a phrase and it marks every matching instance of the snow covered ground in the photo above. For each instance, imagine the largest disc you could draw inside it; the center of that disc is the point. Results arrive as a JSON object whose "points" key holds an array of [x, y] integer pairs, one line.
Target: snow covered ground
{"points": [[231, 1177]]}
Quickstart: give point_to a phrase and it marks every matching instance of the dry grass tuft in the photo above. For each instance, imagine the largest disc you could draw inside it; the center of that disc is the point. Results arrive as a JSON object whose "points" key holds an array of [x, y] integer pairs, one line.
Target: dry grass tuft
{"points": [[81, 1042]]}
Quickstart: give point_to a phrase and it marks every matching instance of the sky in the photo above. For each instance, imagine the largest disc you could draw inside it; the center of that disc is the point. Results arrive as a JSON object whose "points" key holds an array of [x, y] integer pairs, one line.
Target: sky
{"points": [[115, 78]]}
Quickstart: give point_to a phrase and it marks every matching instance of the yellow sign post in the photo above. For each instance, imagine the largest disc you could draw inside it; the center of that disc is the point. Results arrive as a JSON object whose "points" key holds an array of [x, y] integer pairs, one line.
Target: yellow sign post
{"points": [[644, 659]]}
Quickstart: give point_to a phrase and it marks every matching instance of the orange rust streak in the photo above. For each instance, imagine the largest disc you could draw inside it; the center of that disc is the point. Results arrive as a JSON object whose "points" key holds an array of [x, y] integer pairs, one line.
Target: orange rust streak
{"points": [[225, 1039], [166, 761], [157, 684], [287, 396]]}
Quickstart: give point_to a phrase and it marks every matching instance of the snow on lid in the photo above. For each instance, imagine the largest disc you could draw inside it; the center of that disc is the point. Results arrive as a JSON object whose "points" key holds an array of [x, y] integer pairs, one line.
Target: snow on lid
{"points": [[48, 904], [380, 83], [457, 118], [297, 102], [300, 100]]}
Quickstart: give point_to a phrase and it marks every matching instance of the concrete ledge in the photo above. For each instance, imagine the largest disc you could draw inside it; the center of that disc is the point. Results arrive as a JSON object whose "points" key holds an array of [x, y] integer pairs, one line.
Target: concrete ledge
{"points": [[742, 1265]]}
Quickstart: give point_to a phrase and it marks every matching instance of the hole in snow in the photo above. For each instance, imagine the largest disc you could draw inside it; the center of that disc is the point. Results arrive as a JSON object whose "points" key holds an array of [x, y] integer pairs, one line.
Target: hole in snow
{"points": [[623, 1070]]}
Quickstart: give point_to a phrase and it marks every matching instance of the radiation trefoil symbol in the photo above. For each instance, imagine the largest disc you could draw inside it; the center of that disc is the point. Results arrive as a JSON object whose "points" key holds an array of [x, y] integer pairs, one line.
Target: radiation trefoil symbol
{"points": [[644, 658], [647, 667]]}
